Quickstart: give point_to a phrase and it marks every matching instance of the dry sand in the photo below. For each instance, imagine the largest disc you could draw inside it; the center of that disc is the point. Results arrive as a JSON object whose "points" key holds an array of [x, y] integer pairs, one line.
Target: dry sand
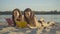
{"points": [[14, 30]]}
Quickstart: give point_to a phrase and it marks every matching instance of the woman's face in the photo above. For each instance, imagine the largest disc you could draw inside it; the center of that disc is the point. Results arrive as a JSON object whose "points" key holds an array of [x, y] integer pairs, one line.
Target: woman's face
{"points": [[16, 13], [28, 13]]}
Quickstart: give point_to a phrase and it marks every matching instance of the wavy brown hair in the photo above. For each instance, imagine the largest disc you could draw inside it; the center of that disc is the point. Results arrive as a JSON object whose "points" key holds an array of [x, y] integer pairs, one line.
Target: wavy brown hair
{"points": [[19, 17], [29, 18]]}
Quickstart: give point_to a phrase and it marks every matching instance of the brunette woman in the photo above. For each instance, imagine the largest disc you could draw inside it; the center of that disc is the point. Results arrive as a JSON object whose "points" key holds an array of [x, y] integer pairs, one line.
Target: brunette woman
{"points": [[16, 16], [29, 17]]}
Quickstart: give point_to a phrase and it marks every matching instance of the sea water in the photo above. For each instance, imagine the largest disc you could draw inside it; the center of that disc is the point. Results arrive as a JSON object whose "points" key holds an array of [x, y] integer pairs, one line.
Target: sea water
{"points": [[47, 18]]}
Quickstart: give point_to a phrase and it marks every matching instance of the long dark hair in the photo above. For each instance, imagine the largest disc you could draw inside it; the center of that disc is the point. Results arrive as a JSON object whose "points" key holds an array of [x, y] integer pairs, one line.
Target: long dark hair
{"points": [[31, 18], [20, 16]]}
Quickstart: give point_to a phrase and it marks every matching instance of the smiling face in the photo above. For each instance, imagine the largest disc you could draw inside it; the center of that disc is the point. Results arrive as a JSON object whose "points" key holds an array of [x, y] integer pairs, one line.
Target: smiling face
{"points": [[28, 13], [16, 13]]}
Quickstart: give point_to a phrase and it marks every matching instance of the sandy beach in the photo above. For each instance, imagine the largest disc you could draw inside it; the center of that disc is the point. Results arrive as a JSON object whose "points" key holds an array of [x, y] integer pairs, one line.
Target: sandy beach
{"points": [[4, 29]]}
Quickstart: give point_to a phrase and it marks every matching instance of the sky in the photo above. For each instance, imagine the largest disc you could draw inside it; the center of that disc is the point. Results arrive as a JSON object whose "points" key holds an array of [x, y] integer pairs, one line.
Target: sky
{"points": [[36, 5]]}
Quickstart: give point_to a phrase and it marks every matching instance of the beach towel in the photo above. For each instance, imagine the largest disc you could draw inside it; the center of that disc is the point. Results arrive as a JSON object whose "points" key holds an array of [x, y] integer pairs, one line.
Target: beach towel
{"points": [[9, 21]]}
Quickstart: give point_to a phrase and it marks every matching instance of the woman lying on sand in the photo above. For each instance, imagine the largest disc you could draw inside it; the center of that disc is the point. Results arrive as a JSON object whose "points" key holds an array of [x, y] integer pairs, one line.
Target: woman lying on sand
{"points": [[16, 15], [29, 17]]}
